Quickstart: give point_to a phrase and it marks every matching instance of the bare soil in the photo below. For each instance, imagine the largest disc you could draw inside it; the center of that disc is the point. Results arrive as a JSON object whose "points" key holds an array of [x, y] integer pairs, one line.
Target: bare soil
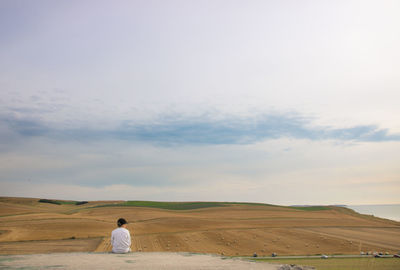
{"points": [[27, 226], [149, 261]]}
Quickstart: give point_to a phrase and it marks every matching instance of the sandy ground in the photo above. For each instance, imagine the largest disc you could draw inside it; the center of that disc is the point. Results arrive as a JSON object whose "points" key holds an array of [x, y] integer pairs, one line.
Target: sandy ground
{"points": [[149, 261]]}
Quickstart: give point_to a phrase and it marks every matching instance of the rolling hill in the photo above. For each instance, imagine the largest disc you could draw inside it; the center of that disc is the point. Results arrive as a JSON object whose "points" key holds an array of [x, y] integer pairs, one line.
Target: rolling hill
{"points": [[33, 225]]}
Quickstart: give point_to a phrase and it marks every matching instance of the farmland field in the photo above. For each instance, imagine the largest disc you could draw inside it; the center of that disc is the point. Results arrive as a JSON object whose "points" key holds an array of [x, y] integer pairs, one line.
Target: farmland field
{"points": [[232, 229]]}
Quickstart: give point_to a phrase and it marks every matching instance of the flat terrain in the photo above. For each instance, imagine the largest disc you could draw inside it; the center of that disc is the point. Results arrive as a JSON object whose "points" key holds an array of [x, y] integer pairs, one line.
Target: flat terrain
{"points": [[368, 263], [148, 261], [232, 229]]}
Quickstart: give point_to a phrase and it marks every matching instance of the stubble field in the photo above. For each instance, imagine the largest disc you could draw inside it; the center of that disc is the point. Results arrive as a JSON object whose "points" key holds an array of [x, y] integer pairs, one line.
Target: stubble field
{"points": [[29, 226]]}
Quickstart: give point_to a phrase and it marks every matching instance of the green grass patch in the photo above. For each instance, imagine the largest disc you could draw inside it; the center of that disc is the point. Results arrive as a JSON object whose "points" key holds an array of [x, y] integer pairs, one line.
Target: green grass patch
{"points": [[167, 205], [199, 205], [8, 259], [304, 208], [368, 263]]}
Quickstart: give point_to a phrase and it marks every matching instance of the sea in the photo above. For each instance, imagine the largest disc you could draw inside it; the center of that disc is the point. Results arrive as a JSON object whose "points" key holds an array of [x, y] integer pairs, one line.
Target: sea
{"points": [[389, 211]]}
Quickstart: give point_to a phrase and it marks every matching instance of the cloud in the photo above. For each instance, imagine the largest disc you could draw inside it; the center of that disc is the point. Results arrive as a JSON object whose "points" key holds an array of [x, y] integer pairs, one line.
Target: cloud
{"points": [[185, 130], [27, 128], [382, 192], [312, 171]]}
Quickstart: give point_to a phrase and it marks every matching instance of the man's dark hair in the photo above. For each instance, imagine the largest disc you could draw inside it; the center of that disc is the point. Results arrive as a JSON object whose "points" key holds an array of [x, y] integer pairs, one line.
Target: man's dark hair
{"points": [[121, 222]]}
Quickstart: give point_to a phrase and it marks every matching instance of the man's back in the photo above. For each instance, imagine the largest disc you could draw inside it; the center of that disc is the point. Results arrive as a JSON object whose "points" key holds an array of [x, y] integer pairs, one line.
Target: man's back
{"points": [[120, 240]]}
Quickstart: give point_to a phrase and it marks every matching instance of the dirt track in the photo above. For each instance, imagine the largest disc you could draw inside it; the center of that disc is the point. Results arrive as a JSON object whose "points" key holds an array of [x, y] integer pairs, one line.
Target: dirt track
{"points": [[27, 226]]}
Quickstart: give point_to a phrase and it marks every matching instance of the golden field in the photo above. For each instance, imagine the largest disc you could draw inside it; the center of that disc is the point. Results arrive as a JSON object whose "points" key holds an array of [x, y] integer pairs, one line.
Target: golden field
{"points": [[29, 226]]}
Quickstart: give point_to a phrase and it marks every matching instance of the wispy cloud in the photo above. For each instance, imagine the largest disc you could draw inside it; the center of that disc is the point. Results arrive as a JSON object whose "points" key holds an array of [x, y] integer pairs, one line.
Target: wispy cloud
{"points": [[175, 129]]}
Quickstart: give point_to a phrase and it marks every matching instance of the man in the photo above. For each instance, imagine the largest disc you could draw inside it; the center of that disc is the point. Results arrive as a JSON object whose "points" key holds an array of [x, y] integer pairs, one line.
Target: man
{"points": [[121, 238]]}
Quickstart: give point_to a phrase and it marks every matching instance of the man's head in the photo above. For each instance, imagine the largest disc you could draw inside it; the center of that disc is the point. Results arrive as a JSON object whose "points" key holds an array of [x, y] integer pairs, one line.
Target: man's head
{"points": [[121, 222]]}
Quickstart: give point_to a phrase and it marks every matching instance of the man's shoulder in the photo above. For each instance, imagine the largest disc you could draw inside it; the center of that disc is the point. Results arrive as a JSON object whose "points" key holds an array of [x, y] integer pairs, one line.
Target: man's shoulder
{"points": [[116, 230], [125, 230], [120, 230]]}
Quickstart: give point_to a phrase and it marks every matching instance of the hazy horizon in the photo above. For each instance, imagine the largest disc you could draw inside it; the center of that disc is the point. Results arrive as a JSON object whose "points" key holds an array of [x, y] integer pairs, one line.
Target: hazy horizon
{"points": [[132, 199], [282, 102]]}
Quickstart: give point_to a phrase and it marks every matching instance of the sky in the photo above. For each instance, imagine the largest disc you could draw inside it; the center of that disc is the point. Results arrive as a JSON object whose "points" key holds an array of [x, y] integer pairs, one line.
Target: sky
{"points": [[282, 102]]}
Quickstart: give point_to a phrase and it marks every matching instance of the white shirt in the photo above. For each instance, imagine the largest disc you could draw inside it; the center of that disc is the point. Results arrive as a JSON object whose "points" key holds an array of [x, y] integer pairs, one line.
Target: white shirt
{"points": [[120, 240]]}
